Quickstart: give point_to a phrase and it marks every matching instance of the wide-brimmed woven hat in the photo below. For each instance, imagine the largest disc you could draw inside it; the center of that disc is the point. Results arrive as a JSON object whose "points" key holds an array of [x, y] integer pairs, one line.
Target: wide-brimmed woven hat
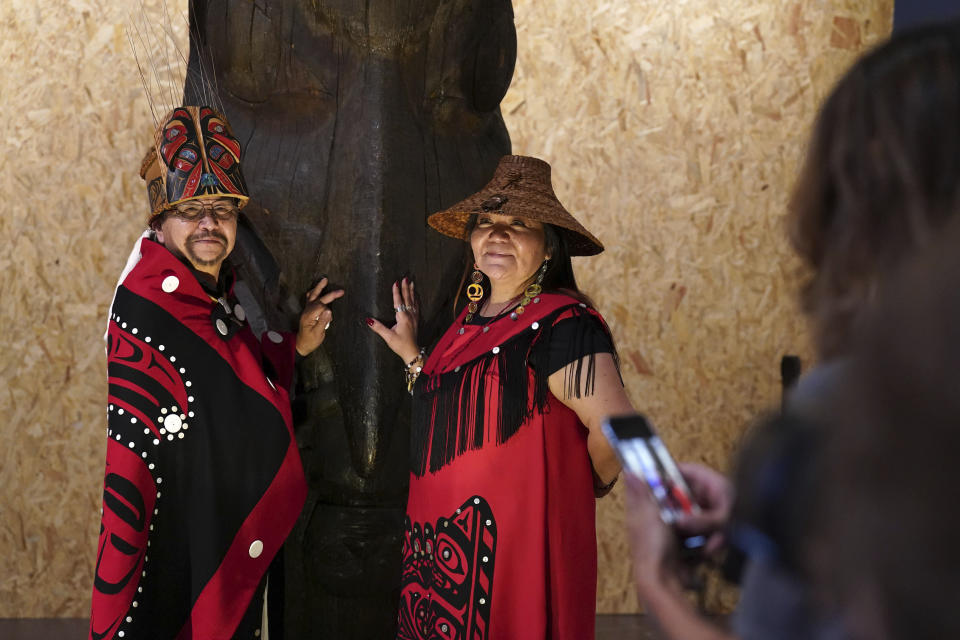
{"points": [[520, 187]]}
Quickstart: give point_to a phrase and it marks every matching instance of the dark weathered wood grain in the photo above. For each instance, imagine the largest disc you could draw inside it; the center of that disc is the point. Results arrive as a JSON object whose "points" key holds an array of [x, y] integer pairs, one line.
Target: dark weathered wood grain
{"points": [[359, 119]]}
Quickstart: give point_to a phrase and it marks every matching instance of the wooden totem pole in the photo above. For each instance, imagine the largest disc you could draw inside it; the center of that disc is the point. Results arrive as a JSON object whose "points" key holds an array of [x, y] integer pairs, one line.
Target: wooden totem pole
{"points": [[358, 120]]}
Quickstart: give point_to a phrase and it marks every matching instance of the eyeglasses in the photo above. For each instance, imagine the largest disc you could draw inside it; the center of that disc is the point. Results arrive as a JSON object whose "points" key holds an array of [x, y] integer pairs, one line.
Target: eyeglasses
{"points": [[195, 211]]}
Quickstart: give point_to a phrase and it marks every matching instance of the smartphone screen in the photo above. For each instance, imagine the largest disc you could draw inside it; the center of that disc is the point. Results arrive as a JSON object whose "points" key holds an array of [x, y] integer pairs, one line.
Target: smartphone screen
{"points": [[642, 453]]}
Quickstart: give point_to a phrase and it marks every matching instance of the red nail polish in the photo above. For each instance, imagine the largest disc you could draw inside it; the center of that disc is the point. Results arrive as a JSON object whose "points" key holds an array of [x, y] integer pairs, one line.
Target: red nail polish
{"points": [[370, 322]]}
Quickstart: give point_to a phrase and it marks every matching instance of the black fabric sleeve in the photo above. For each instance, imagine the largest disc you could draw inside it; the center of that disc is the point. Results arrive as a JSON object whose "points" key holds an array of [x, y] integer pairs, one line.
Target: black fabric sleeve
{"points": [[570, 340]]}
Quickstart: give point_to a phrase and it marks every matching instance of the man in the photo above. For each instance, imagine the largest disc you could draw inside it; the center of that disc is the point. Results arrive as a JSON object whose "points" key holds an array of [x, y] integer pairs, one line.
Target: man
{"points": [[203, 479]]}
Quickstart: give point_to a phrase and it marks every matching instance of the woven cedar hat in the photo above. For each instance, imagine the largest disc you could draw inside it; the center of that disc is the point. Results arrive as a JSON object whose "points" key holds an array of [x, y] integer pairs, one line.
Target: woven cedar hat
{"points": [[520, 187]]}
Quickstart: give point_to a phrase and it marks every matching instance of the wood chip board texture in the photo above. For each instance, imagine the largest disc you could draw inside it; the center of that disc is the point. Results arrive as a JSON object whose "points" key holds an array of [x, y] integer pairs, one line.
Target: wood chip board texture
{"points": [[78, 124], [675, 130]]}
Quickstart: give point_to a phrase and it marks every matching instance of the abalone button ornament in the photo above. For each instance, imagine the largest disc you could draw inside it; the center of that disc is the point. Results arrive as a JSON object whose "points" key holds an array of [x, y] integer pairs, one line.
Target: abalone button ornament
{"points": [[172, 423], [170, 284], [274, 337], [222, 327], [239, 312], [256, 548]]}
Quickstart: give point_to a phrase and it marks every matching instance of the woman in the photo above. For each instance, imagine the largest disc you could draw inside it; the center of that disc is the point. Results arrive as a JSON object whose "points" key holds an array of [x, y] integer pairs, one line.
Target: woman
{"points": [[887, 534], [506, 442], [880, 184]]}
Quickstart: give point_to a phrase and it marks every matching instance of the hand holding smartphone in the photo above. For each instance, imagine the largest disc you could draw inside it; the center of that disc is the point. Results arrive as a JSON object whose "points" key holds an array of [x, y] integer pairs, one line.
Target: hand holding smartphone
{"points": [[642, 453]]}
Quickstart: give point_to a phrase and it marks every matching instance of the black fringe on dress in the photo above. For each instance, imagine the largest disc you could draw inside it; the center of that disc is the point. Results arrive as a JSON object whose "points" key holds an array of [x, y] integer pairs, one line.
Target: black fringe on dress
{"points": [[450, 410]]}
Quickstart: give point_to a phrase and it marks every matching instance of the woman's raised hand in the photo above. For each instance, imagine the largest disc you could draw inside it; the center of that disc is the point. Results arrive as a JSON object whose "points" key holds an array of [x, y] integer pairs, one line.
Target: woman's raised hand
{"points": [[402, 336]]}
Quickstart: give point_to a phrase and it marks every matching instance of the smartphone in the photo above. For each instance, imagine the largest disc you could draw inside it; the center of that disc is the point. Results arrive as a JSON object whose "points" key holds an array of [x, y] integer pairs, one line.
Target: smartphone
{"points": [[643, 454]]}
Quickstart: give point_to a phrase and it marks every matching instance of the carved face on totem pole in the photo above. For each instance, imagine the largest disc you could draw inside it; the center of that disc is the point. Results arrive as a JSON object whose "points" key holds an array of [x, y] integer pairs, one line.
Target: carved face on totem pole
{"points": [[358, 120]]}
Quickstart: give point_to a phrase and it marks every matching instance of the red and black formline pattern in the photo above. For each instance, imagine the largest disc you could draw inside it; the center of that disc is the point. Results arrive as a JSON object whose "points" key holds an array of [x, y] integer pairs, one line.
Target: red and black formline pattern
{"points": [[203, 479], [448, 574]]}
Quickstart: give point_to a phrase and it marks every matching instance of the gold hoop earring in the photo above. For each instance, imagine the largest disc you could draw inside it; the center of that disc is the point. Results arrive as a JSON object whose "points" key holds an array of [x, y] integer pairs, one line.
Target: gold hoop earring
{"points": [[474, 293]]}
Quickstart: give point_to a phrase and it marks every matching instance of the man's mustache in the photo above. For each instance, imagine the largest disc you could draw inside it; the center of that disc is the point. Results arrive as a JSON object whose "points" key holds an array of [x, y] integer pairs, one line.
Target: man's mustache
{"points": [[207, 235]]}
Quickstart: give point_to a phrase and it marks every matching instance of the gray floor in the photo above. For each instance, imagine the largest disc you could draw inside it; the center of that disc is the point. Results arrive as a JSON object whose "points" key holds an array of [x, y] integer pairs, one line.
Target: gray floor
{"points": [[609, 627], [625, 627]]}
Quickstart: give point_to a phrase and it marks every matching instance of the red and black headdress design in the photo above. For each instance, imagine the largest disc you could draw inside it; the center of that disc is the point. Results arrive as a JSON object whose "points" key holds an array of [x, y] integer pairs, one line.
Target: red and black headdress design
{"points": [[195, 155]]}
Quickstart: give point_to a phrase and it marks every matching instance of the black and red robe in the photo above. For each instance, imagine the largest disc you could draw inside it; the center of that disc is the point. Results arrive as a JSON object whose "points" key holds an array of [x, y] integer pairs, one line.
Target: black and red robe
{"points": [[203, 479], [501, 534]]}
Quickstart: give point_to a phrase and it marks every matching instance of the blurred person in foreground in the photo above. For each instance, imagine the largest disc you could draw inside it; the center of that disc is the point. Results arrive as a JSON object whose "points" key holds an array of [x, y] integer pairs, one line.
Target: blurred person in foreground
{"points": [[881, 180], [884, 531]]}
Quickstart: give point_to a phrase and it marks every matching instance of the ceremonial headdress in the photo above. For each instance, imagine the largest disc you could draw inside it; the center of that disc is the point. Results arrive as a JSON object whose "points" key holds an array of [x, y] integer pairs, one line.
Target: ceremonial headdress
{"points": [[195, 155]]}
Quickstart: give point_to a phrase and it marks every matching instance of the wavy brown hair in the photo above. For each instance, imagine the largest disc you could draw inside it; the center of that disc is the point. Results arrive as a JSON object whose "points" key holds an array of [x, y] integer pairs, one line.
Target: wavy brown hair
{"points": [[881, 176]]}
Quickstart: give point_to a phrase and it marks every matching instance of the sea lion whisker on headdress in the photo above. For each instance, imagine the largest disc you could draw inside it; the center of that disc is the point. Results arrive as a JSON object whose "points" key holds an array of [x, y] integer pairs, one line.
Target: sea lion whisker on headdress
{"points": [[164, 65], [194, 153], [143, 79]]}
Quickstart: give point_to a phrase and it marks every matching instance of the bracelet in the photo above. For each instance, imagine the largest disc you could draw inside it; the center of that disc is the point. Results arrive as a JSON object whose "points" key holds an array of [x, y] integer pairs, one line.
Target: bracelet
{"points": [[413, 369], [600, 489]]}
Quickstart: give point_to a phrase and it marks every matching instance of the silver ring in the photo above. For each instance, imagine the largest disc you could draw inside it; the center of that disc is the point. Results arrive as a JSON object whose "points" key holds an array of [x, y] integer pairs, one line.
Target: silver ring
{"points": [[402, 307], [316, 319], [328, 326]]}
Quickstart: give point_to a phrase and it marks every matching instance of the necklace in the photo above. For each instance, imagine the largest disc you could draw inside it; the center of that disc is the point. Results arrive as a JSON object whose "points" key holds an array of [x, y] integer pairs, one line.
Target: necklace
{"points": [[507, 306], [486, 320]]}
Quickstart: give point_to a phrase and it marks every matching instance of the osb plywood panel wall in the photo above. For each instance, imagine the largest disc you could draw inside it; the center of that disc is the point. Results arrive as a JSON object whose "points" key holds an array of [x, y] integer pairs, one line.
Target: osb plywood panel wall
{"points": [[76, 126], [674, 130]]}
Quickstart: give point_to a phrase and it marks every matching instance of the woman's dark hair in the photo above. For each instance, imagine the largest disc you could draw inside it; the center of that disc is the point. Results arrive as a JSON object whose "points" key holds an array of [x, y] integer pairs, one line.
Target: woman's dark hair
{"points": [[559, 277], [881, 175]]}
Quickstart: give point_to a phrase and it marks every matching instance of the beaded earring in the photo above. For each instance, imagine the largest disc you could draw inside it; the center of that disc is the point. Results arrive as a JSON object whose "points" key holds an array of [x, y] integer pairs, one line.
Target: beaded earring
{"points": [[474, 293], [531, 292]]}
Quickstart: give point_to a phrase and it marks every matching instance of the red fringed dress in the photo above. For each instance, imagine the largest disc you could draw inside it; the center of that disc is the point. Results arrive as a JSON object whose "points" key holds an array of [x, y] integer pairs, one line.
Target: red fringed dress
{"points": [[500, 539], [203, 480]]}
